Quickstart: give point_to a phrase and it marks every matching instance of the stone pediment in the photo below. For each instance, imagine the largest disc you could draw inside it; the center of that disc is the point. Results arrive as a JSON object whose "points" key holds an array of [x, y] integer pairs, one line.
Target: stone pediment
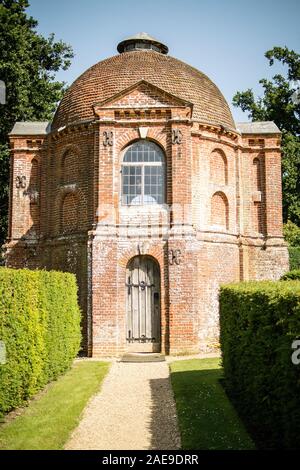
{"points": [[143, 95]]}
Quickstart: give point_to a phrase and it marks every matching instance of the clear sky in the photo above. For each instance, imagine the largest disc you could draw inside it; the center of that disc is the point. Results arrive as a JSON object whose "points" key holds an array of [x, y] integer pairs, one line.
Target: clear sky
{"points": [[225, 39]]}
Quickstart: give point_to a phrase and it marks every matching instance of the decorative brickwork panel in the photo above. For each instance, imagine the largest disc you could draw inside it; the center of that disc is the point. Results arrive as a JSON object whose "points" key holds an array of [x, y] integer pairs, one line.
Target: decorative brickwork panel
{"points": [[69, 214], [69, 167], [258, 217], [142, 96], [219, 210], [257, 174], [34, 175], [218, 168], [33, 194]]}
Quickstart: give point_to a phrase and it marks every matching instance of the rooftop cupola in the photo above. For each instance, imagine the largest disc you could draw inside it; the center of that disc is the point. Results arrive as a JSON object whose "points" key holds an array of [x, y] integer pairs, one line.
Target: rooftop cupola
{"points": [[142, 41]]}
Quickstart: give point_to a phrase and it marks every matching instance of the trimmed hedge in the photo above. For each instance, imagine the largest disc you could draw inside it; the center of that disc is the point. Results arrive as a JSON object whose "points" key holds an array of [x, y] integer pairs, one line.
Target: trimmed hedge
{"points": [[40, 326], [291, 275], [294, 254], [259, 321]]}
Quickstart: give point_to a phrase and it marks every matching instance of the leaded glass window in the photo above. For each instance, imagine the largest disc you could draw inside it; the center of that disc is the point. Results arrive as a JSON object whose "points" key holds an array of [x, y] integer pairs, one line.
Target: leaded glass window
{"points": [[143, 174]]}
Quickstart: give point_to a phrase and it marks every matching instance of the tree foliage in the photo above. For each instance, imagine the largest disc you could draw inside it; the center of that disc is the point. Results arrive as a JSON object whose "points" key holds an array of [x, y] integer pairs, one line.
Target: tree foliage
{"points": [[28, 63], [278, 104], [292, 233]]}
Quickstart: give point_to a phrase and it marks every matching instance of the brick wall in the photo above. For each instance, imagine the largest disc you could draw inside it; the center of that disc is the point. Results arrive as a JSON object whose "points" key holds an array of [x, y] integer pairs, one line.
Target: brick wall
{"points": [[221, 222]]}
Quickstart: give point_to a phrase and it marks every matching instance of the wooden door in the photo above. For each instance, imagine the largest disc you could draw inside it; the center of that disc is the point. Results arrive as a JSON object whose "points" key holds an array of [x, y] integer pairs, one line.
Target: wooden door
{"points": [[143, 305]]}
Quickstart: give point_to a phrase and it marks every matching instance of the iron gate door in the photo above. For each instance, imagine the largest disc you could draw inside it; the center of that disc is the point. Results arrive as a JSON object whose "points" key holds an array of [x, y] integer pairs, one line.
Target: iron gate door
{"points": [[143, 305]]}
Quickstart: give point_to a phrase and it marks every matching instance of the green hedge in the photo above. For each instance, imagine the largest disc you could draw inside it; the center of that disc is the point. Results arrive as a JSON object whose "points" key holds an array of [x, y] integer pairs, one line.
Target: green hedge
{"points": [[259, 321], [291, 275], [294, 254], [40, 326]]}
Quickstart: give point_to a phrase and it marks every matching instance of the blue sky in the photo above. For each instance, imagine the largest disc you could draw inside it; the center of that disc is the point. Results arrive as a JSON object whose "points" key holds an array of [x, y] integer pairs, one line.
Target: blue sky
{"points": [[226, 39]]}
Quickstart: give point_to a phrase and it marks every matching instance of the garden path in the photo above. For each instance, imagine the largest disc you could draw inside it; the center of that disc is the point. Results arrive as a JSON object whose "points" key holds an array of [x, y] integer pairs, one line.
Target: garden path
{"points": [[135, 409]]}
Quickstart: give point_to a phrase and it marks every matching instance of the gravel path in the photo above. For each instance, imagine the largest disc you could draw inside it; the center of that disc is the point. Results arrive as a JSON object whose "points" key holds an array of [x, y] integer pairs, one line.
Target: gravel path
{"points": [[135, 409]]}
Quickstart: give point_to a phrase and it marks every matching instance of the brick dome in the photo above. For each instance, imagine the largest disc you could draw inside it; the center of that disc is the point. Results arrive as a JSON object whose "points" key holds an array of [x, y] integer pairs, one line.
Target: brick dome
{"points": [[119, 72]]}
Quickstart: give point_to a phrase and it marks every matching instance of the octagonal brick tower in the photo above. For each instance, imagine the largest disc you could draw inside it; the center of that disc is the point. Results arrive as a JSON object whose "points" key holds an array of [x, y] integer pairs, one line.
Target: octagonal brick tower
{"points": [[146, 189]]}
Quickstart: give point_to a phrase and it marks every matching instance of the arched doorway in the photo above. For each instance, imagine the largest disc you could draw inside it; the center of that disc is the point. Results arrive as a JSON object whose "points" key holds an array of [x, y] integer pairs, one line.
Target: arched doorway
{"points": [[143, 305]]}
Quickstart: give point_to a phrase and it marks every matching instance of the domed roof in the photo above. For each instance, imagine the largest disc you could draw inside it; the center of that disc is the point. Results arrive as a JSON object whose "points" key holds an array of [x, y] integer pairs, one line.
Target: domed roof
{"points": [[117, 73]]}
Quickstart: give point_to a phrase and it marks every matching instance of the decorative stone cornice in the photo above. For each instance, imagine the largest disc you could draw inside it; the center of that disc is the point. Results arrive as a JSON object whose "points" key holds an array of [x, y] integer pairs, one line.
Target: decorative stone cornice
{"points": [[220, 131], [215, 140], [26, 149], [247, 149], [77, 126]]}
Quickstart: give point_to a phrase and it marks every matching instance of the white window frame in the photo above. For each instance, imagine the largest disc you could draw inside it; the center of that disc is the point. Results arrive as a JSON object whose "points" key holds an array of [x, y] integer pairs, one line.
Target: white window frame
{"points": [[143, 164]]}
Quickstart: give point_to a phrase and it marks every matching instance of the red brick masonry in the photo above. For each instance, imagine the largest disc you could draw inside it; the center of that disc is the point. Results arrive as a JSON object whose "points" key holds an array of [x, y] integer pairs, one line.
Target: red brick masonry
{"points": [[222, 220]]}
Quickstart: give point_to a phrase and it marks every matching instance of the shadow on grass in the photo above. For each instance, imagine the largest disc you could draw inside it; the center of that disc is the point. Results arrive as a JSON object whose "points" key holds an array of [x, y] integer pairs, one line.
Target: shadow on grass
{"points": [[162, 426], [207, 419]]}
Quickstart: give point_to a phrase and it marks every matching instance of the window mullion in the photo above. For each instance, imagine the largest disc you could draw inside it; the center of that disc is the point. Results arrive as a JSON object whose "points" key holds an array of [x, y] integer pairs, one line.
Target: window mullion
{"points": [[143, 183]]}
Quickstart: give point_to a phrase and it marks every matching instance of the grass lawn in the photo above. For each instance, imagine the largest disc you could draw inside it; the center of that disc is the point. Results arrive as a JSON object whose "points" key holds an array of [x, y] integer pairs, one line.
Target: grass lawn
{"points": [[50, 418], [207, 419]]}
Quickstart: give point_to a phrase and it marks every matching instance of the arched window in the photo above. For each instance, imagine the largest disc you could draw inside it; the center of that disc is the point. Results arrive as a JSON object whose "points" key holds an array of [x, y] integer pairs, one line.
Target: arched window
{"points": [[143, 174]]}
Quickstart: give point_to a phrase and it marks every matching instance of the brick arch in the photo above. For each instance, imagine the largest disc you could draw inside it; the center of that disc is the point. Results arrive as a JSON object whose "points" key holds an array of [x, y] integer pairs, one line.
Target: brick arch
{"points": [[123, 149], [126, 138], [133, 135], [69, 164], [154, 252], [34, 174], [33, 188], [69, 147], [257, 217], [157, 136], [82, 214], [257, 174], [36, 157], [257, 210], [218, 167], [219, 210], [146, 255]]}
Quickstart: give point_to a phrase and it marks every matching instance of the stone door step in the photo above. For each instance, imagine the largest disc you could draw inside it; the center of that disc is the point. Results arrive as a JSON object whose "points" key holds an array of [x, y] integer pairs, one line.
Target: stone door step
{"points": [[143, 357]]}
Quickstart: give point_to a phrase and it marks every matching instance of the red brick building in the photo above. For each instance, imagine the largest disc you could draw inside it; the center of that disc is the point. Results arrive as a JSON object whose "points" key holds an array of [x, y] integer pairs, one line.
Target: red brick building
{"points": [[146, 189]]}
